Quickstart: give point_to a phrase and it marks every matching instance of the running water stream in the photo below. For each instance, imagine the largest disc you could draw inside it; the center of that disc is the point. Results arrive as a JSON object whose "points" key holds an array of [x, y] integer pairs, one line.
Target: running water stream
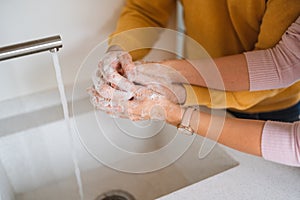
{"points": [[67, 120]]}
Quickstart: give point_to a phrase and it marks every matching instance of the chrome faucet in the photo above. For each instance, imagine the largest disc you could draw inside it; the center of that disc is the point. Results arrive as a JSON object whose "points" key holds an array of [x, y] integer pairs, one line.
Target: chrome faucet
{"points": [[52, 43]]}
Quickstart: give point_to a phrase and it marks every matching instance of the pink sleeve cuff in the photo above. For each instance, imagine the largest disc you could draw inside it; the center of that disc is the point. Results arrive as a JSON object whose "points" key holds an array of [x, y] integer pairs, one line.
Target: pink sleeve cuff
{"points": [[281, 142], [277, 67], [262, 70]]}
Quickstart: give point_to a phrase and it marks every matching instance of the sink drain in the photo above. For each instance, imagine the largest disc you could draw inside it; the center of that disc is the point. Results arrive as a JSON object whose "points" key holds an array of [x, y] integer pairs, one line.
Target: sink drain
{"points": [[115, 195]]}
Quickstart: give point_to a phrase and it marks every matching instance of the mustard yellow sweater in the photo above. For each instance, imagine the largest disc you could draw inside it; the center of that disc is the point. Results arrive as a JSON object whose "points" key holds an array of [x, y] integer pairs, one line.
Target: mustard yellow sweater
{"points": [[222, 27]]}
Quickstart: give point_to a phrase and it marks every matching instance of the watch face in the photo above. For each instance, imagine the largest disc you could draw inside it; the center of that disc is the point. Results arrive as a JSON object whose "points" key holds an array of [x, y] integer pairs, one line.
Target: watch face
{"points": [[185, 131]]}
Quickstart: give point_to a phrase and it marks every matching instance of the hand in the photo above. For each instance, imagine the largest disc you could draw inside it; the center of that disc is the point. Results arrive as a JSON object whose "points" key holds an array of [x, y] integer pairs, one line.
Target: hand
{"points": [[146, 104], [113, 68], [116, 66], [159, 78]]}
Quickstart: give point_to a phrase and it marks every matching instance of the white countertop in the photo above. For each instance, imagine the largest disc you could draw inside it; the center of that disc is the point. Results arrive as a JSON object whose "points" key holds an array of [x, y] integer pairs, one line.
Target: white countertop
{"points": [[254, 178]]}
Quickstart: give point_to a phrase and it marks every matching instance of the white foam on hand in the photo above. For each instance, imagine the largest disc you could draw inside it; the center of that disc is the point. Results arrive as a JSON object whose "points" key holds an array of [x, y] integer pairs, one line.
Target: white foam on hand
{"points": [[126, 89]]}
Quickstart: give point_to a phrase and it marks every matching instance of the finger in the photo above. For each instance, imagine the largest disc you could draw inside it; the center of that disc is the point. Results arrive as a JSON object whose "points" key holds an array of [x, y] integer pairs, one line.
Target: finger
{"points": [[107, 106], [112, 76], [117, 114], [108, 64], [97, 101], [123, 115], [109, 90], [174, 92], [112, 65], [97, 79], [106, 69], [143, 93], [113, 94], [126, 62], [157, 72], [144, 79], [121, 82]]}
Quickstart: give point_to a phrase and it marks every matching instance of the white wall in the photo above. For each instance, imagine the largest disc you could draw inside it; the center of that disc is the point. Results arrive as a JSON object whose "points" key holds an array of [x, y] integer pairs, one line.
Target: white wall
{"points": [[6, 190], [81, 23]]}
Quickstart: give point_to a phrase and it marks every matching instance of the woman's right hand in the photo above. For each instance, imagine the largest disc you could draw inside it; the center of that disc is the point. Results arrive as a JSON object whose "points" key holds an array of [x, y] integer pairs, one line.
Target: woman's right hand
{"points": [[118, 70], [113, 68], [159, 78]]}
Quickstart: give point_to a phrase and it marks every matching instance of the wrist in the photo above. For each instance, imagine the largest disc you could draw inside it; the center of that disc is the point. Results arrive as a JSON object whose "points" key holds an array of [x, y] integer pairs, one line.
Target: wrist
{"points": [[174, 114], [185, 126]]}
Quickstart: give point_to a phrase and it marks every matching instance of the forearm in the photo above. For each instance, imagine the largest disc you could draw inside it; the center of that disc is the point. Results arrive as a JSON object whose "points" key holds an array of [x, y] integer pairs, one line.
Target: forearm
{"points": [[233, 70], [240, 134], [274, 141], [272, 68]]}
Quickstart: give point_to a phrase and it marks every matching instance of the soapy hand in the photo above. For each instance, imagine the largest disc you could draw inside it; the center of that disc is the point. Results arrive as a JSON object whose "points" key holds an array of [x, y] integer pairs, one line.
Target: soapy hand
{"points": [[159, 78], [118, 69], [135, 90], [145, 104], [150, 105], [113, 67]]}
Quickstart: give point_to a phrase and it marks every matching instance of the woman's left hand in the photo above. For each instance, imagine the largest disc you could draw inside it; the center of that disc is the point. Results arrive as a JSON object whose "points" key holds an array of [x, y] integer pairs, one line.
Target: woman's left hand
{"points": [[145, 104]]}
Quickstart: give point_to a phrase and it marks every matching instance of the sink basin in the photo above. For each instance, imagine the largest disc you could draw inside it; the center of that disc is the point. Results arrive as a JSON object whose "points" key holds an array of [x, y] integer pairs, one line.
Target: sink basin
{"points": [[36, 163], [185, 171]]}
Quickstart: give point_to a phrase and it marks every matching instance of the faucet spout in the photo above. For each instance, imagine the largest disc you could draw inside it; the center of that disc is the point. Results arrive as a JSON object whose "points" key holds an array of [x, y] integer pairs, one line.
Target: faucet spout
{"points": [[52, 43]]}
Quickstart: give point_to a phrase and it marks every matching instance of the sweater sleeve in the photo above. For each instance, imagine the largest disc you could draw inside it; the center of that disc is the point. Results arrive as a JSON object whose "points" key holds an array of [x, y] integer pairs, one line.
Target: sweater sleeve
{"points": [[281, 142], [277, 67], [131, 32], [278, 16]]}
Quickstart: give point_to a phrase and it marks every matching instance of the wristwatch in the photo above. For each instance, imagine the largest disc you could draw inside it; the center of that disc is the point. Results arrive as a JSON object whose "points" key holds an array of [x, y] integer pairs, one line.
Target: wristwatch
{"points": [[184, 127]]}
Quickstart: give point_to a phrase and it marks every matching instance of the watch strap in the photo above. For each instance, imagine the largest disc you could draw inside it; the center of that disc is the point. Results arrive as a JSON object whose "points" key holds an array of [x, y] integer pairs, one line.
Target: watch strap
{"points": [[187, 117], [185, 122]]}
